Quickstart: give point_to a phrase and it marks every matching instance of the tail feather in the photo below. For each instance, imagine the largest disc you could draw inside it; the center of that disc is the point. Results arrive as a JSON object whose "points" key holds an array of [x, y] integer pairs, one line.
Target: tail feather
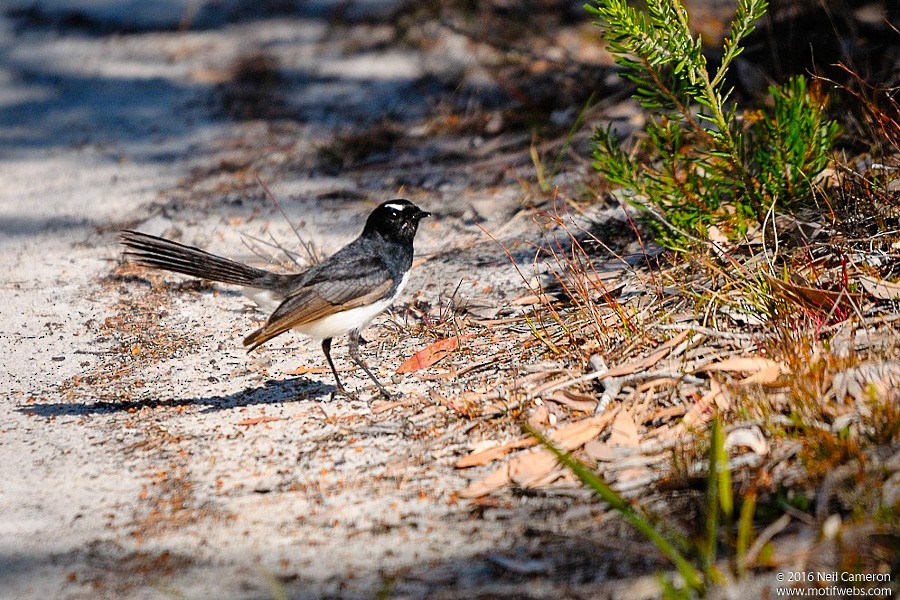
{"points": [[159, 253]]}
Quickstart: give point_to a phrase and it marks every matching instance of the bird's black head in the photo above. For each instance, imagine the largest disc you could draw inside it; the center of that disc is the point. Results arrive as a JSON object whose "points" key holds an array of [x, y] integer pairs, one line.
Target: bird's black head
{"points": [[395, 220]]}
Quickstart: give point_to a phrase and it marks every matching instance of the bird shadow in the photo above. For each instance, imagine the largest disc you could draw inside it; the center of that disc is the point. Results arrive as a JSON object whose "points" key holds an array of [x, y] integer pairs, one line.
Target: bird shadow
{"points": [[270, 392]]}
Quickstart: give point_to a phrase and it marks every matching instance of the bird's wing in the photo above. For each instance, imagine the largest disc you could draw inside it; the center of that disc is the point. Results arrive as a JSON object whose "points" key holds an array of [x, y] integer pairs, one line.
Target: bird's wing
{"points": [[333, 286]]}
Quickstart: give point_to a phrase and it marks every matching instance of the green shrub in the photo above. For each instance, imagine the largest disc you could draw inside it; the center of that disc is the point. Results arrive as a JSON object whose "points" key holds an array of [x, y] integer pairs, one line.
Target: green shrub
{"points": [[698, 163]]}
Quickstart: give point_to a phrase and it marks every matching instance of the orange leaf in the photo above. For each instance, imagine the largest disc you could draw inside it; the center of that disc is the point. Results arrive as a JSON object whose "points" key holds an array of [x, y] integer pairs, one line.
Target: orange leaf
{"points": [[258, 420], [303, 370], [428, 356]]}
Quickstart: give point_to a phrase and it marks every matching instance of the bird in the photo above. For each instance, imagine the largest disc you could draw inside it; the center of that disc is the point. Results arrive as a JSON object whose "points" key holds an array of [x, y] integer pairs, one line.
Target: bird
{"points": [[338, 296]]}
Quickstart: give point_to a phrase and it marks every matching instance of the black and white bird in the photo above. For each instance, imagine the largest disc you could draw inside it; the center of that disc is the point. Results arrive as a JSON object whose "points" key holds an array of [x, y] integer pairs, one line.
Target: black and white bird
{"points": [[338, 296]]}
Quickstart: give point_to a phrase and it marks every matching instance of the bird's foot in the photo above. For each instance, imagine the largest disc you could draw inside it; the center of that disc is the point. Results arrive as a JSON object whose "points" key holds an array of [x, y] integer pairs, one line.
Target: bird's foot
{"points": [[342, 391]]}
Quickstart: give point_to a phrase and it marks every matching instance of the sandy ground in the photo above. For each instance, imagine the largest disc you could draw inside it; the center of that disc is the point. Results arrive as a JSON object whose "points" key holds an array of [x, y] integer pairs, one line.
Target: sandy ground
{"points": [[143, 453]]}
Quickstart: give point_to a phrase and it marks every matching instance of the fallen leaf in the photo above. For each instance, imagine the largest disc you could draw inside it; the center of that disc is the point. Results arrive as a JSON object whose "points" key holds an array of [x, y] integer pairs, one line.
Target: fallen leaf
{"points": [[703, 409], [303, 370], [648, 361], [575, 435], [529, 299], [601, 451], [809, 296], [491, 482], [624, 432], [741, 364], [527, 469], [539, 417], [258, 420], [574, 400], [569, 436], [880, 289], [431, 354], [633, 474], [381, 406], [534, 467], [483, 457], [768, 374], [666, 413]]}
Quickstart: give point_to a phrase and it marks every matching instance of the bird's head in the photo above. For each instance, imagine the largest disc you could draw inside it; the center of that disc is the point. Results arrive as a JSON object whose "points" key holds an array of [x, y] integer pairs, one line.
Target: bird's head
{"points": [[395, 220]]}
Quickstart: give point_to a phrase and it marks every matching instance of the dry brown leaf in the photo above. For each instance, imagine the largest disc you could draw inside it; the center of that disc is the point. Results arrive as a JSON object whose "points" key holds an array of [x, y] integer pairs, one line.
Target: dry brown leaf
{"points": [[811, 297], [633, 474], [624, 432], [539, 417], [527, 469], [766, 375], [575, 435], [574, 400], [648, 361], [535, 466], [742, 364], [380, 406], [601, 451], [666, 413], [431, 354], [258, 420], [703, 409], [304, 370], [529, 299], [492, 482], [879, 288], [483, 457]]}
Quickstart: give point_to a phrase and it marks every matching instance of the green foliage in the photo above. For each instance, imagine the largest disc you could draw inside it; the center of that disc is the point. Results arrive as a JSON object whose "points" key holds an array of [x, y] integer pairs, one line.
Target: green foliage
{"points": [[700, 165], [787, 148]]}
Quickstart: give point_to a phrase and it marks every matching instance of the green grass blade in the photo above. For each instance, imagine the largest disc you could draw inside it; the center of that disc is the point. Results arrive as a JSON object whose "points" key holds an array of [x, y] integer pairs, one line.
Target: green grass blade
{"points": [[745, 531], [693, 579]]}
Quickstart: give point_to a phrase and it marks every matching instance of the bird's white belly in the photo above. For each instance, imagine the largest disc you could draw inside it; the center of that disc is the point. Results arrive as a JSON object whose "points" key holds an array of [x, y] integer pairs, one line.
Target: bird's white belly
{"points": [[332, 325], [266, 300]]}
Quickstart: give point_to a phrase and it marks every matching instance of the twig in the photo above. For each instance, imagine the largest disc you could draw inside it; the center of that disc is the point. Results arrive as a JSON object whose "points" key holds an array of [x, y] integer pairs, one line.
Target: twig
{"points": [[767, 534], [728, 335], [307, 246]]}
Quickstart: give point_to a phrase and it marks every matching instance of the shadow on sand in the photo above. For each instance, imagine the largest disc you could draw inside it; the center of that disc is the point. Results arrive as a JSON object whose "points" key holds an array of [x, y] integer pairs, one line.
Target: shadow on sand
{"points": [[271, 392]]}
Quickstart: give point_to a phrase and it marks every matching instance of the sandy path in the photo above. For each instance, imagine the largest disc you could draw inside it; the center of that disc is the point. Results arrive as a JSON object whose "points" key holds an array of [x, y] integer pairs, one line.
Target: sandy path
{"points": [[142, 452]]}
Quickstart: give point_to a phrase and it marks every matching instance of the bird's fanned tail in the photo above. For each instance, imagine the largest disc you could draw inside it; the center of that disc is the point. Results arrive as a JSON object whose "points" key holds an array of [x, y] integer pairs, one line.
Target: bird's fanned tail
{"points": [[159, 253]]}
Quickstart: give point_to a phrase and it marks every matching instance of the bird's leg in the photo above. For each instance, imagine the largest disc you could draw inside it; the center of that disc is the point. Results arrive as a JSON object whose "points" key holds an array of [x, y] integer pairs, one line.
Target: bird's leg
{"points": [[354, 354], [326, 348]]}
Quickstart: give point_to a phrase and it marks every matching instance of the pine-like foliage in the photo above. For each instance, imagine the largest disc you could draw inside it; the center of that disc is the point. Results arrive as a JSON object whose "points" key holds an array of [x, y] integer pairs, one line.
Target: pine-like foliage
{"points": [[698, 164]]}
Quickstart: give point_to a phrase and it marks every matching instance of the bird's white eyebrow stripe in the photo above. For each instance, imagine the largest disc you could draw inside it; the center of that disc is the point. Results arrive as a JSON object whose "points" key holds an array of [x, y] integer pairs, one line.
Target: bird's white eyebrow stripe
{"points": [[400, 207]]}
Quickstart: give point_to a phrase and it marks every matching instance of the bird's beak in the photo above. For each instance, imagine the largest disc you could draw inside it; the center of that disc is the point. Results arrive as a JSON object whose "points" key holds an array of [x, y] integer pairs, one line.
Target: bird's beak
{"points": [[422, 214]]}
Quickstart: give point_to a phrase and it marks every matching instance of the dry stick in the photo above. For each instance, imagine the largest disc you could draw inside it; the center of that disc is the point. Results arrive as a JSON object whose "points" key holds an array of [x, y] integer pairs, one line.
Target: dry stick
{"points": [[307, 246], [621, 378], [883, 320], [743, 337], [273, 244], [767, 534]]}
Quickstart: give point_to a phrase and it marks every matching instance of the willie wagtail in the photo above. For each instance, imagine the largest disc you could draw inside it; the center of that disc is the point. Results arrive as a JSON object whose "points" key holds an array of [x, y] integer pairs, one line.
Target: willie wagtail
{"points": [[339, 295]]}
